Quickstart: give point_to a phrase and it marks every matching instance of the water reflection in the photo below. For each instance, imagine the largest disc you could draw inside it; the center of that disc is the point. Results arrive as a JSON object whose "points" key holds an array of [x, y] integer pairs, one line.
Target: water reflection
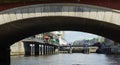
{"points": [[67, 59]]}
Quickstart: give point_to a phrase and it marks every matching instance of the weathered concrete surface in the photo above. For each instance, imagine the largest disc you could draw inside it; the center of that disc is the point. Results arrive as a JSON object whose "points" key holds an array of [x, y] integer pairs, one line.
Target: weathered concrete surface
{"points": [[17, 48], [84, 11], [21, 22]]}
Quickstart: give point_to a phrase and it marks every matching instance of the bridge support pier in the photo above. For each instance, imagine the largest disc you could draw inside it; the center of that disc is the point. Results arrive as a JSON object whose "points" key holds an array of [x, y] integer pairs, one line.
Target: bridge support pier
{"points": [[36, 49], [56, 50], [41, 52], [43, 49], [32, 49], [52, 50], [5, 56], [70, 50], [48, 50], [27, 49], [40, 49]]}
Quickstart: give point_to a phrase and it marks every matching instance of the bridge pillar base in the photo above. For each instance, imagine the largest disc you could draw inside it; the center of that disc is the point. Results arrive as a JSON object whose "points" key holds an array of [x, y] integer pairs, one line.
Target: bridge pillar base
{"points": [[5, 56], [43, 49], [36, 49]]}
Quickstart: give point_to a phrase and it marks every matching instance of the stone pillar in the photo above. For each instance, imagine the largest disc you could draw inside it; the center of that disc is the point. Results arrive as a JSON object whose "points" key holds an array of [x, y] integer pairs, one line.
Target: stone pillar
{"points": [[5, 56]]}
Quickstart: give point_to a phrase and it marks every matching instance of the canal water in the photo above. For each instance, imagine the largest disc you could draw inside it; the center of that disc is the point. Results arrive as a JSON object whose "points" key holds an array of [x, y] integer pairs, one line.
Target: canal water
{"points": [[67, 59]]}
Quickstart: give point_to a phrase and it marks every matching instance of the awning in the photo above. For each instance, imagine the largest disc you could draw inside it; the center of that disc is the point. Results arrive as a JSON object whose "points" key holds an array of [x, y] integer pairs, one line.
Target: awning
{"points": [[46, 37]]}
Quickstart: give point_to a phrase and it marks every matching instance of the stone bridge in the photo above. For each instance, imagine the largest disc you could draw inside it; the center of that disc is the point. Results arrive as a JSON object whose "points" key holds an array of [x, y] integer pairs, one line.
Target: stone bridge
{"points": [[19, 20]]}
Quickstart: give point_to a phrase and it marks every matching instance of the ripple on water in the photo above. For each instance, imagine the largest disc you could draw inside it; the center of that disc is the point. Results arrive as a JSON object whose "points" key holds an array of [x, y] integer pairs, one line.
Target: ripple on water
{"points": [[66, 59]]}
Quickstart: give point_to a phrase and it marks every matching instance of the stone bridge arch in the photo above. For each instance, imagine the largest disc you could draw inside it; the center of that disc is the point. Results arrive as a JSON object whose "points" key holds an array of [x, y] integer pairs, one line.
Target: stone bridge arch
{"points": [[73, 10], [18, 23]]}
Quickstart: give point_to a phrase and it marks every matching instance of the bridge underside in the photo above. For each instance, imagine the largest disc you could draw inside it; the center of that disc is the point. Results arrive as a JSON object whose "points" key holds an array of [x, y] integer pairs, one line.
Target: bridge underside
{"points": [[19, 23], [17, 30], [13, 31]]}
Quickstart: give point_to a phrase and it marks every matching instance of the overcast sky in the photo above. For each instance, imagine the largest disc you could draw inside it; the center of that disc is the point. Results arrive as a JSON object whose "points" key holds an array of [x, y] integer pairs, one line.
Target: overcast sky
{"points": [[71, 36]]}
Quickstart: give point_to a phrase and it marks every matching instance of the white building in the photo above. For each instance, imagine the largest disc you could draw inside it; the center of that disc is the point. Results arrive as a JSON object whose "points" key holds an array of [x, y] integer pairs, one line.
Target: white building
{"points": [[62, 41]]}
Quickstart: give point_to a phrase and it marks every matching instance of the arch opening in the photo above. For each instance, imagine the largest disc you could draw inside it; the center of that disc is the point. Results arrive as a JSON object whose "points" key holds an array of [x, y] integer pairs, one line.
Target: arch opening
{"points": [[20, 29], [93, 54]]}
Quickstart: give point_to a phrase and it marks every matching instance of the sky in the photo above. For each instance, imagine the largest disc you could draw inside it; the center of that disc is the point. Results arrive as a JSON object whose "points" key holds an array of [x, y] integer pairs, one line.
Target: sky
{"points": [[71, 36]]}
